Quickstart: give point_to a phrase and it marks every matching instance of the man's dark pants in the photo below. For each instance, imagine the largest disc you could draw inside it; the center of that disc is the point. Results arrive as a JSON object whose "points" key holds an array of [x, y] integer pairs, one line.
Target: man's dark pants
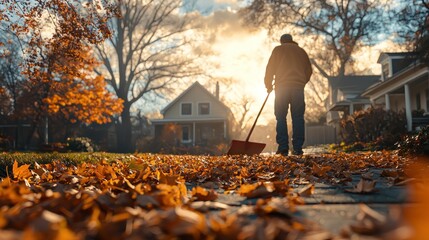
{"points": [[295, 97]]}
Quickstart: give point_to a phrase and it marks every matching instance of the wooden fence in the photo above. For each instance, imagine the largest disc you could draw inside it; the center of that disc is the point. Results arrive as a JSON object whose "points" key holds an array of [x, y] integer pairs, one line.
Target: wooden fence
{"points": [[322, 134]]}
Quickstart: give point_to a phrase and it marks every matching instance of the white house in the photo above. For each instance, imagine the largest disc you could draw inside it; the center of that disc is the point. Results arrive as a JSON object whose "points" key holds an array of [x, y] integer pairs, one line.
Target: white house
{"points": [[200, 115], [345, 95], [404, 86]]}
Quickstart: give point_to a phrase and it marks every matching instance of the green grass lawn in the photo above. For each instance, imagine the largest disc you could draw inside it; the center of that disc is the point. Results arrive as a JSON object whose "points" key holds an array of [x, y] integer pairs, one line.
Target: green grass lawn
{"points": [[75, 158]]}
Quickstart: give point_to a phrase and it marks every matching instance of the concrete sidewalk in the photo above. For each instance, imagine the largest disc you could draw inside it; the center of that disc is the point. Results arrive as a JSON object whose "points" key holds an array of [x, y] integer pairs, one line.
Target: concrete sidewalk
{"points": [[332, 207], [307, 150]]}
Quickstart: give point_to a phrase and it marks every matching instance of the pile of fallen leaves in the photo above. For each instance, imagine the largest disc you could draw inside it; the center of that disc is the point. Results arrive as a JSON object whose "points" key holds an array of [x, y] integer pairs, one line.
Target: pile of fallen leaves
{"points": [[166, 196]]}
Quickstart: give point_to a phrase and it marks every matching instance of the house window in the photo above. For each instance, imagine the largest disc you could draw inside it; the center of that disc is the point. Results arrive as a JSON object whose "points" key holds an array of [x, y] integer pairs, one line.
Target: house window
{"points": [[186, 108], [418, 103], [186, 134], [203, 108]]}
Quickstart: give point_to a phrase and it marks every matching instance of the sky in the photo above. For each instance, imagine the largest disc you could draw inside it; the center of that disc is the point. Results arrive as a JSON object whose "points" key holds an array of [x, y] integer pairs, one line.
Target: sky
{"points": [[241, 53], [208, 6], [237, 51]]}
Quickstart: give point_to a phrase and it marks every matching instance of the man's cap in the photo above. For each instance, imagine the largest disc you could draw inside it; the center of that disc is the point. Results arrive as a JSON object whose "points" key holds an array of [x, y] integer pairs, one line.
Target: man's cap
{"points": [[285, 38]]}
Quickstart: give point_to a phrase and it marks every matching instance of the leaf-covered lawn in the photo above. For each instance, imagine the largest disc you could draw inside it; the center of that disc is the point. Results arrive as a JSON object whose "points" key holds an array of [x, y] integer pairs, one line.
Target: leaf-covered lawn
{"points": [[164, 196]]}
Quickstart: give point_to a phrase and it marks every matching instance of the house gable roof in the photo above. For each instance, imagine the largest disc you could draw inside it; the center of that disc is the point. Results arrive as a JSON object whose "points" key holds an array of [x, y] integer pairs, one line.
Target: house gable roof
{"points": [[184, 93], [385, 55], [398, 79], [353, 83]]}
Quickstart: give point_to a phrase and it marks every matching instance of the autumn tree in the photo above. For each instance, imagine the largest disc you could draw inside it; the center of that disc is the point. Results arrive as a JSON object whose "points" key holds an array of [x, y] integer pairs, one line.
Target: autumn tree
{"points": [[5, 103], [413, 25], [71, 89], [58, 64], [338, 27], [5, 98], [10, 72], [146, 55]]}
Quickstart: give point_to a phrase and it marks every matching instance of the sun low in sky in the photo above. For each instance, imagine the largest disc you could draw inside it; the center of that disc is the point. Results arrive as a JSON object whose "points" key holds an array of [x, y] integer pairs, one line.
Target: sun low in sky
{"points": [[240, 52]]}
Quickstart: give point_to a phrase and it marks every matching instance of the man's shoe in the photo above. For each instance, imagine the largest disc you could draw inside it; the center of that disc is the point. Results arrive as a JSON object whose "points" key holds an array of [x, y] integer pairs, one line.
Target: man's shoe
{"points": [[283, 152], [299, 152]]}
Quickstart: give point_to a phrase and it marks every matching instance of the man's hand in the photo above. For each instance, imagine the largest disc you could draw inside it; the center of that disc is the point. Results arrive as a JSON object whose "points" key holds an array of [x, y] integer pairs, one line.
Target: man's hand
{"points": [[269, 89]]}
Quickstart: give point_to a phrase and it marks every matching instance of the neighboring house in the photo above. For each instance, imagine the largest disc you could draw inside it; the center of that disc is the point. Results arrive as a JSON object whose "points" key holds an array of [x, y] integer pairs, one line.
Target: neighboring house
{"points": [[201, 117], [345, 95], [404, 86]]}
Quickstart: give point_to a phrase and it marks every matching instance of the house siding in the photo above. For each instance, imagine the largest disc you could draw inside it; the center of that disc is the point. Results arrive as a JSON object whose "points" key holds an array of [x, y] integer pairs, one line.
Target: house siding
{"points": [[397, 102], [419, 89], [196, 96]]}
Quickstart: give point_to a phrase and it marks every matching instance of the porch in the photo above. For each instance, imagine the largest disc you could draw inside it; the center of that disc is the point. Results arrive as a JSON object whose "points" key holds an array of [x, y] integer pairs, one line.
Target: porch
{"points": [[193, 132], [420, 122], [407, 91]]}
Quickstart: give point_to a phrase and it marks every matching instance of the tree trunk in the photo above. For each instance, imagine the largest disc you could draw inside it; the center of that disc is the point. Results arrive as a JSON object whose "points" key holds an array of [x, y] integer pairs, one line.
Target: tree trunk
{"points": [[33, 129], [34, 125], [124, 140]]}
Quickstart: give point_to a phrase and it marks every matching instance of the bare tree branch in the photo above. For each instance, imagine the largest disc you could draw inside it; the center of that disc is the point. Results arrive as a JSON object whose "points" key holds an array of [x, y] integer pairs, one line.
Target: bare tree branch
{"points": [[339, 27], [146, 54]]}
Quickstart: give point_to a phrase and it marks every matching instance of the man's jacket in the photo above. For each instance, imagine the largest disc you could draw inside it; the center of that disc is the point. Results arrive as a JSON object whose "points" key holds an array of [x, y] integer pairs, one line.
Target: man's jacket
{"points": [[290, 65]]}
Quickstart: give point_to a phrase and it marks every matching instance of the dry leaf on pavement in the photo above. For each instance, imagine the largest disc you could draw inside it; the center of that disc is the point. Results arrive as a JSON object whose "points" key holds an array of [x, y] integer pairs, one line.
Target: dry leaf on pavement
{"points": [[205, 206], [364, 186], [307, 191], [202, 194]]}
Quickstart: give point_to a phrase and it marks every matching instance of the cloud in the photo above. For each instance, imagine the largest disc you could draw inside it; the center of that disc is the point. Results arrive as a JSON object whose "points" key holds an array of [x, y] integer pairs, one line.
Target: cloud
{"points": [[206, 7], [366, 57], [231, 2], [234, 45], [225, 25], [235, 51]]}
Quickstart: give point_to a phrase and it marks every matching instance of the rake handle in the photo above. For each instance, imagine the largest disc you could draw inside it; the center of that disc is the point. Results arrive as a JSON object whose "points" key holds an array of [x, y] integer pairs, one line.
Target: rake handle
{"points": [[256, 120]]}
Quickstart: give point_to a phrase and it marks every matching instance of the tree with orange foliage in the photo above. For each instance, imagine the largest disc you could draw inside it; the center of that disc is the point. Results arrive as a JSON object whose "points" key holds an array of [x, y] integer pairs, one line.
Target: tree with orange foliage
{"points": [[72, 90], [56, 37]]}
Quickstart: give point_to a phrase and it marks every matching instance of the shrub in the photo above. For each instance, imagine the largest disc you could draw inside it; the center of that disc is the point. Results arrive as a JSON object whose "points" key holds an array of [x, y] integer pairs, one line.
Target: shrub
{"points": [[53, 147], [381, 128], [4, 143], [80, 144], [418, 113], [415, 143]]}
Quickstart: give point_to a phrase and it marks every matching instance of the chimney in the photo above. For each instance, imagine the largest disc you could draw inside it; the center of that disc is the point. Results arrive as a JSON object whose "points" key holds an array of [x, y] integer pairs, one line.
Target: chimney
{"points": [[217, 90]]}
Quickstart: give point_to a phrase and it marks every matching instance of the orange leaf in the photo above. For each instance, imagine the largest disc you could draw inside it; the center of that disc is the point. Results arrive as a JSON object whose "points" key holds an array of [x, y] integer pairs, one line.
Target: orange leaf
{"points": [[364, 186], [21, 172], [307, 191], [168, 179], [201, 194], [257, 190], [320, 171]]}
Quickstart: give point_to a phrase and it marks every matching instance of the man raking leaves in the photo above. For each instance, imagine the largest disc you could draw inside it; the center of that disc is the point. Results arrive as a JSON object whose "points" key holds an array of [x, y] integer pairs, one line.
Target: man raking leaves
{"points": [[290, 69]]}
